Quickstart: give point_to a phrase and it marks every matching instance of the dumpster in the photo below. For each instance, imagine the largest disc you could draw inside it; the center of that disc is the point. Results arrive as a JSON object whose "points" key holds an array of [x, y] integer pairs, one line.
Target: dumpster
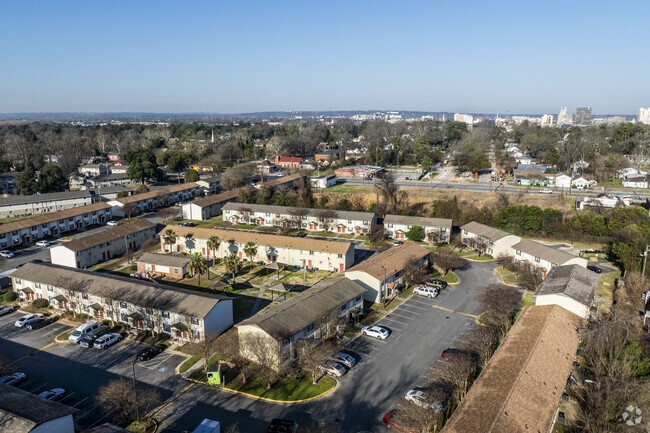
{"points": [[214, 374]]}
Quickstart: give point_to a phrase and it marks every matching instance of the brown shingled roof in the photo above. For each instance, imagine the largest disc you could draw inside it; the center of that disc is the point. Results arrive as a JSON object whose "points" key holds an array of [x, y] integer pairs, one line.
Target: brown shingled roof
{"points": [[52, 217], [108, 235], [216, 198], [521, 386], [157, 193], [393, 260], [239, 236]]}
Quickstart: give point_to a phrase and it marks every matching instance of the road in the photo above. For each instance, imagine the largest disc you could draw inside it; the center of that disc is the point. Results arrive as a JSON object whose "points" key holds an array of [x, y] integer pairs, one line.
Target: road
{"points": [[386, 369], [32, 252]]}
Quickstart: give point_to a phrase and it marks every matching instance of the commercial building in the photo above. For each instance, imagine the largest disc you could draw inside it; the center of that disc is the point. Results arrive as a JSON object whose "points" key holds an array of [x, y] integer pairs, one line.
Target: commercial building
{"points": [[208, 207], [19, 205], [102, 246], [300, 218], [323, 181], [544, 257], [643, 116], [564, 118], [167, 265], [362, 171], [437, 230], [289, 250], [144, 305], [487, 239], [383, 273], [310, 315], [156, 199], [31, 229], [520, 388], [288, 161], [583, 116], [571, 287], [25, 412]]}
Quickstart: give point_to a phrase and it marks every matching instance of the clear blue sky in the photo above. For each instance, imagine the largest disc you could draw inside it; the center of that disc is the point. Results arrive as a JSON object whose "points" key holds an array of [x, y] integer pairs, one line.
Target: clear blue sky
{"points": [[239, 56]]}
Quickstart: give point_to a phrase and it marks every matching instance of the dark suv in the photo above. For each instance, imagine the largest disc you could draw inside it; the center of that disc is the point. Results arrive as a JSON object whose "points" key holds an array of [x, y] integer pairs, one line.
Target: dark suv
{"points": [[279, 425]]}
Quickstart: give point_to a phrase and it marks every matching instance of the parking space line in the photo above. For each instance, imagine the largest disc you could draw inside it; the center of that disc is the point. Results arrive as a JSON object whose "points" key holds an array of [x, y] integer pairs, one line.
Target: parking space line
{"points": [[42, 386], [97, 422], [392, 328], [399, 315], [27, 356], [416, 307], [393, 320], [54, 330], [80, 401], [454, 311], [67, 396], [87, 412]]}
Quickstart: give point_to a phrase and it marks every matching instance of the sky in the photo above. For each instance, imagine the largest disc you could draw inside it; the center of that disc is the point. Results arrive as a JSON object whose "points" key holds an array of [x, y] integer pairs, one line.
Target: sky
{"points": [[251, 56]]}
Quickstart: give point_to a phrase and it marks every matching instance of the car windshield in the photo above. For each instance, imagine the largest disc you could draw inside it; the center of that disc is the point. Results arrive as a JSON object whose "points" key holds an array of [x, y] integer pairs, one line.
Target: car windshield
{"points": [[346, 356], [76, 333]]}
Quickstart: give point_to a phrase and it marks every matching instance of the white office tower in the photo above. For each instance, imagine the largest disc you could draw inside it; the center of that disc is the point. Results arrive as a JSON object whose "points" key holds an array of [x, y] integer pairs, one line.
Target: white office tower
{"points": [[644, 116], [547, 119], [564, 118]]}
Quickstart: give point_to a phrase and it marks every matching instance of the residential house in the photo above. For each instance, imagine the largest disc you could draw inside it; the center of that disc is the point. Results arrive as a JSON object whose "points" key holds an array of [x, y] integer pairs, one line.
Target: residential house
{"points": [[8, 184], [115, 157], [93, 169], [561, 180], [289, 250], [167, 265], [282, 182], [267, 167], [534, 178], [19, 205], [437, 230], [323, 181], [208, 207], [161, 197], [520, 388], [28, 230], [384, 273], [211, 184], [636, 182], [326, 156], [580, 165], [630, 172], [300, 218], [580, 183], [309, 315], [571, 287], [288, 161], [602, 200], [106, 245], [487, 239], [25, 412], [362, 171], [543, 256], [144, 305]]}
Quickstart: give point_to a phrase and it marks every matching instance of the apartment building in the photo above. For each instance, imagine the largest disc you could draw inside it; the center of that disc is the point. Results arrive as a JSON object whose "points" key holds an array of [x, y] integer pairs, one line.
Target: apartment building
{"points": [[437, 230], [571, 287], [144, 305], [289, 250], [22, 411], [309, 315], [28, 230], [167, 265], [161, 197], [208, 207], [106, 245], [283, 182], [300, 218], [19, 205], [487, 239], [543, 256]]}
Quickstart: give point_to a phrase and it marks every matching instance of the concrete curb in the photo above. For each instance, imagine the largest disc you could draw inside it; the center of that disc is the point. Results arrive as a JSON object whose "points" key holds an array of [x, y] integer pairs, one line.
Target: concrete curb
{"points": [[503, 282]]}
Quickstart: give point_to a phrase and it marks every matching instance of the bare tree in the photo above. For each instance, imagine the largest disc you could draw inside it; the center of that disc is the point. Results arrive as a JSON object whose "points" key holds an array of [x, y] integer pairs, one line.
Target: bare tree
{"points": [[264, 351], [445, 261], [418, 418], [297, 215], [325, 218], [207, 347], [118, 400], [458, 371], [228, 344], [499, 304], [482, 341], [311, 356], [388, 191], [414, 273]]}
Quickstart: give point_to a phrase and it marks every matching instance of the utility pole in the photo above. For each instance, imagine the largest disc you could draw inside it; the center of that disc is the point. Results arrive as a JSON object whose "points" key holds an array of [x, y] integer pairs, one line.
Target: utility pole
{"points": [[645, 259], [135, 394]]}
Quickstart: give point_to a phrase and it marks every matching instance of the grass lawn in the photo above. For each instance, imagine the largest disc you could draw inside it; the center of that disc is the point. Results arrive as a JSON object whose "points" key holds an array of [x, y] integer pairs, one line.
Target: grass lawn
{"points": [[528, 300], [144, 426], [64, 336], [348, 236], [323, 234], [310, 277], [288, 389], [450, 278], [188, 363], [605, 289], [507, 275], [351, 189], [482, 258]]}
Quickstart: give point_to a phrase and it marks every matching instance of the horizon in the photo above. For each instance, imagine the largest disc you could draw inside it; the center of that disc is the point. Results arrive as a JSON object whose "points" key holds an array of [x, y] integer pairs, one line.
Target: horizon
{"points": [[228, 59]]}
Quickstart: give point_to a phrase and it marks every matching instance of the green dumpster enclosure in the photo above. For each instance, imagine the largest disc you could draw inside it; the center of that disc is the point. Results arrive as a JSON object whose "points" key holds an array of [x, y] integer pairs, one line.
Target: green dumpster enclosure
{"points": [[214, 374]]}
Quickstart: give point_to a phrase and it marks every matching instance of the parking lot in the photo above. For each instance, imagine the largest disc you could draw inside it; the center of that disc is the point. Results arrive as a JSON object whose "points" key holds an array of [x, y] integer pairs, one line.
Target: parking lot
{"points": [[421, 329], [81, 371]]}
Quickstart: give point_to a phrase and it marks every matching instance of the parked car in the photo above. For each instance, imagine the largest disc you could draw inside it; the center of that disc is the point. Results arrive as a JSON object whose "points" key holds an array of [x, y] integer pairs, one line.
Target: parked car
{"points": [[437, 283], [21, 320], [279, 425], [419, 397], [53, 394], [42, 244], [6, 254], [594, 268], [389, 420], [5, 309], [344, 359], [397, 243], [106, 341], [13, 379], [149, 353], [88, 340], [449, 353], [112, 223], [375, 331], [39, 323], [301, 234], [87, 328], [333, 368], [429, 292], [545, 191]]}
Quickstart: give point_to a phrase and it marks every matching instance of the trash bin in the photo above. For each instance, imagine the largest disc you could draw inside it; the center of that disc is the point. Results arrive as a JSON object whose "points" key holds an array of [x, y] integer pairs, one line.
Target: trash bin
{"points": [[214, 375]]}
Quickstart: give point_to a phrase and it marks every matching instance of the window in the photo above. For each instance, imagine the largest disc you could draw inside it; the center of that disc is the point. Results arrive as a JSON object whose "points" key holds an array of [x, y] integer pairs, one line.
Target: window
{"points": [[195, 334], [165, 314], [311, 253], [365, 223], [14, 232], [37, 285], [84, 296], [252, 213], [50, 288], [60, 221], [70, 219], [148, 310], [517, 252], [349, 221], [357, 299], [18, 281], [340, 256], [176, 270], [309, 328], [124, 317], [194, 321], [34, 228], [268, 214], [465, 232], [390, 226], [537, 260], [343, 307], [123, 305], [166, 327], [277, 215], [44, 226]]}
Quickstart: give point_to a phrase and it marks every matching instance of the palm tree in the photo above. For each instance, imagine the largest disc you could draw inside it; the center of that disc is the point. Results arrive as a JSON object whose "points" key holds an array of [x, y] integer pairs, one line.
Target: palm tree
{"points": [[197, 265], [232, 265], [169, 238], [213, 244], [250, 249]]}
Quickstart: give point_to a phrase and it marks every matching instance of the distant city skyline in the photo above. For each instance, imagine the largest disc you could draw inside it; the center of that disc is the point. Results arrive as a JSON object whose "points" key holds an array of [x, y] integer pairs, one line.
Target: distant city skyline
{"points": [[247, 57]]}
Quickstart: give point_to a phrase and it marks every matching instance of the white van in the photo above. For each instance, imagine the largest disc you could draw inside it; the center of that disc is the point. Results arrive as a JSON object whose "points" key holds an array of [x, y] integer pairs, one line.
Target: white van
{"points": [[83, 330]]}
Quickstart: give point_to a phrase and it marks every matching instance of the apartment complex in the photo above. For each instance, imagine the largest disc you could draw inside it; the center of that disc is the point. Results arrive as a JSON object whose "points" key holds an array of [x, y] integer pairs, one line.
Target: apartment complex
{"points": [[167, 265], [293, 251], [300, 218], [19, 205], [571, 287], [310, 315], [436, 230], [544, 257], [487, 239], [161, 197], [28, 230], [144, 305], [99, 247], [208, 207]]}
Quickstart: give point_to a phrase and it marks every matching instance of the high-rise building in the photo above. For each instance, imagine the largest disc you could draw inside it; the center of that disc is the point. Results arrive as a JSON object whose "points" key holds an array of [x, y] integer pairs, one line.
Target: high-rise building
{"points": [[458, 117], [547, 119], [564, 118], [583, 116], [644, 116]]}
